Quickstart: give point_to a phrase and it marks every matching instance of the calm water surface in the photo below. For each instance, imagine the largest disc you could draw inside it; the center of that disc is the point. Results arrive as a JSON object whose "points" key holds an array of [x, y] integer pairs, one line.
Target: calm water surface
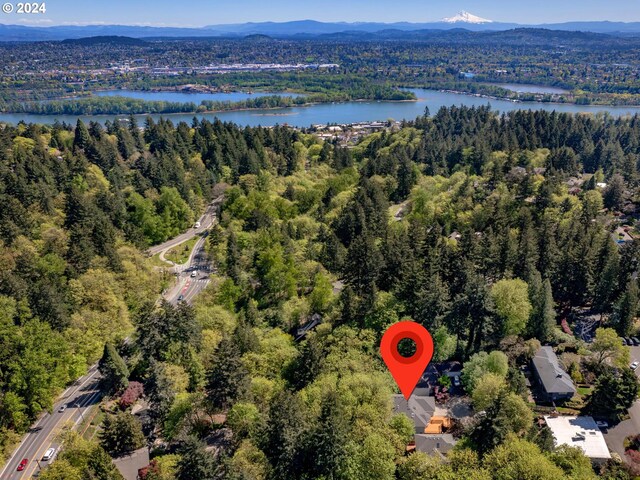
{"points": [[350, 112]]}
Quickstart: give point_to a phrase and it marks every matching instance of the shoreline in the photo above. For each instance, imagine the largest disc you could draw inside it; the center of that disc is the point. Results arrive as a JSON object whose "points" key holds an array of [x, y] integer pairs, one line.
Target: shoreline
{"points": [[243, 109], [284, 94], [532, 102], [423, 95]]}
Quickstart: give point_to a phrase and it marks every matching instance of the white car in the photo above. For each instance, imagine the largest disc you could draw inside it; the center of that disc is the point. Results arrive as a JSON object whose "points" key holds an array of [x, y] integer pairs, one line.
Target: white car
{"points": [[194, 274], [48, 455], [197, 225], [62, 408], [456, 381], [634, 365]]}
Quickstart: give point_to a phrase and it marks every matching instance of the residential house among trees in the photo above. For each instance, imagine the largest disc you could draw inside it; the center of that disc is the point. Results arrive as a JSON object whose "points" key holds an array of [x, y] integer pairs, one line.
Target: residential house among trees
{"points": [[420, 408], [555, 382], [580, 432]]}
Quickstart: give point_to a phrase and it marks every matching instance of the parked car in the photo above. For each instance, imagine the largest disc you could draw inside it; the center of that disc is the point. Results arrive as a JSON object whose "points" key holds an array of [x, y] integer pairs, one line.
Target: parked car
{"points": [[23, 464], [456, 381], [634, 365], [601, 424], [635, 341], [180, 298], [197, 225], [628, 340], [194, 274]]}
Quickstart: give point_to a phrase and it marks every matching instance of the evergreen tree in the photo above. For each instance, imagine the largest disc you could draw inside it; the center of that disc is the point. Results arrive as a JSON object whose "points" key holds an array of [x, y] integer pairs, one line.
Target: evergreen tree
{"points": [[227, 379], [614, 393], [363, 264], [348, 306], [160, 391], [407, 178], [82, 139], [614, 193], [284, 437], [114, 371], [195, 462], [607, 286], [233, 257], [542, 320], [329, 459], [626, 309]]}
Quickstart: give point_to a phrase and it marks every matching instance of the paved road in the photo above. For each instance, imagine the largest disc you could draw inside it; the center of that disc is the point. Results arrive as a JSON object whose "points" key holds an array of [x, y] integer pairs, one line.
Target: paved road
{"points": [[615, 436], [84, 393], [194, 275], [205, 223], [188, 286], [79, 398]]}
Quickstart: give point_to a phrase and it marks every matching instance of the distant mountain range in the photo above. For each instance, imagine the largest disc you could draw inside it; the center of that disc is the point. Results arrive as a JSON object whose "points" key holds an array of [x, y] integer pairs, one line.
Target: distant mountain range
{"points": [[300, 28]]}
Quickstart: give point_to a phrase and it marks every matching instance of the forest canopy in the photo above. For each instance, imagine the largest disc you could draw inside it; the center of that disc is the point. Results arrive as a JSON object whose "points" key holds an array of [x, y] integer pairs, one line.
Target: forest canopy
{"points": [[494, 246]]}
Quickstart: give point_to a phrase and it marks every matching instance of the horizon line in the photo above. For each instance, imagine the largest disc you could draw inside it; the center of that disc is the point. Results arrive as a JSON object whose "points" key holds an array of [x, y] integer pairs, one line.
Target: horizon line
{"points": [[45, 24]]}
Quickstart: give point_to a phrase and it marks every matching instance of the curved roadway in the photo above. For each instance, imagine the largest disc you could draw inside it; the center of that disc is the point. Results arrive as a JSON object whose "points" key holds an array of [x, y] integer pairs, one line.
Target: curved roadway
{"points": [[85, 393]]}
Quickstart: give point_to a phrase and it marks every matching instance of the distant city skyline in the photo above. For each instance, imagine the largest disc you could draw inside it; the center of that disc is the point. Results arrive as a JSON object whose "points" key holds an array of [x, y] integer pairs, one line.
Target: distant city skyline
{"points": [[199, 13]]}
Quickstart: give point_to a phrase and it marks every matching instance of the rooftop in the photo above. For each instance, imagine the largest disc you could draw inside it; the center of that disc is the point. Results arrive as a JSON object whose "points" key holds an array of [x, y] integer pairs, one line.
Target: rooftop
{"points": [[419, 408], [553, 377], [439, 443], [581, 432], [129, 465]]}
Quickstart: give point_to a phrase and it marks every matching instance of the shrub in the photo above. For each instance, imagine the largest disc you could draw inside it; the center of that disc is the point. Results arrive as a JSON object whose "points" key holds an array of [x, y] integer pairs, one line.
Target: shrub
{"points": [[131, 395]]}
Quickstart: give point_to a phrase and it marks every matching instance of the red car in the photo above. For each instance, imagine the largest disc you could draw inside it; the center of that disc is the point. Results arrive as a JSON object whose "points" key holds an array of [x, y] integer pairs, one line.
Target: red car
{"points": [[23, 464]]}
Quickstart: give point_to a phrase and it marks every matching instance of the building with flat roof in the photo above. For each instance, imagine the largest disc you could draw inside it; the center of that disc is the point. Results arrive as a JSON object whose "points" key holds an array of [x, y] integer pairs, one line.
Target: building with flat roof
{"points": [[555, 382], [581, 432]]}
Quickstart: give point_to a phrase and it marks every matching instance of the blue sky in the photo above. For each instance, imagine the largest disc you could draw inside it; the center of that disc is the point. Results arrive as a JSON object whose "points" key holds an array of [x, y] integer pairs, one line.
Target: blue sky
{"points": [[208, 12]]}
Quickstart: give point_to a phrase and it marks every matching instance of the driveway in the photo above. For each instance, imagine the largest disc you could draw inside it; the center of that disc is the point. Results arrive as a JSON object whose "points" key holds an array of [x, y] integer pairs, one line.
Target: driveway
{"points": [[615, 436]]}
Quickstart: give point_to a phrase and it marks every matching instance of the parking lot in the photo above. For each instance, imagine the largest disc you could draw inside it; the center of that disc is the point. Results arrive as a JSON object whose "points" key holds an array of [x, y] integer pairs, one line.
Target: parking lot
{"points": [[635, 357]]}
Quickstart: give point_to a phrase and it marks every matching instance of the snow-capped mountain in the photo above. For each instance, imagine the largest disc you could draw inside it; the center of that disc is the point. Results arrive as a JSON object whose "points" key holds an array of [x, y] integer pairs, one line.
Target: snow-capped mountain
{"points": [[466, 17]]}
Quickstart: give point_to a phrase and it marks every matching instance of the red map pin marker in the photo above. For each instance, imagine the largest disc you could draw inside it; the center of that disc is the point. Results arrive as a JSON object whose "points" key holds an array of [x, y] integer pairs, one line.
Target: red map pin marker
{"points": [[406, 371]]}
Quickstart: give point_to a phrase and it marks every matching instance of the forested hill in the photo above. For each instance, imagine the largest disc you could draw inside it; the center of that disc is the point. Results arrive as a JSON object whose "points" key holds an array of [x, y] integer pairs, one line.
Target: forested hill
{"points": [[105, 40], [78, 206], [503, 230]]}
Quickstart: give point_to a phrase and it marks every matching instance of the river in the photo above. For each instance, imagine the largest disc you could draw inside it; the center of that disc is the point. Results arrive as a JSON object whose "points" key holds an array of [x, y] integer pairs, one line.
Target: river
{"points": [[349, 112]]}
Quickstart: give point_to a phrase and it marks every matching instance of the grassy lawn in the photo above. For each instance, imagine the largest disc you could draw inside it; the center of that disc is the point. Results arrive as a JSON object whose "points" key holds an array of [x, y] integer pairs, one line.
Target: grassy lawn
{"points": [[156, 262], [568, 411], [584, 391], [89, 431], [180, 254]]}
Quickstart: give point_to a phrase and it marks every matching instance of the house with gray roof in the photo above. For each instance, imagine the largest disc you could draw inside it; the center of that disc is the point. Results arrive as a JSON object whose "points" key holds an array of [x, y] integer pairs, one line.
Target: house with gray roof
{"points": [[435, 444], [555, 382], [420, 408]]}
